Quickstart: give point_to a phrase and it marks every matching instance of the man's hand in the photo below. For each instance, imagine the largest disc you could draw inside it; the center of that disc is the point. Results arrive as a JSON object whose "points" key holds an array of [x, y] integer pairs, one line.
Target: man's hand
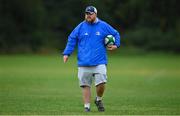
{"points": [[65, 58], [111, 47]]}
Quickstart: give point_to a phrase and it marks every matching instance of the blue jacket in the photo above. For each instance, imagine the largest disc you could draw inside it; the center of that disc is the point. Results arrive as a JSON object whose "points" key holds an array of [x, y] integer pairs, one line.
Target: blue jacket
{"points": [[89, 38]]}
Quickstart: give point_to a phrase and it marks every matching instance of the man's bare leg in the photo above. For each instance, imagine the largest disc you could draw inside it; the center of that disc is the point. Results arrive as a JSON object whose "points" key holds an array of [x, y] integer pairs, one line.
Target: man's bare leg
{"points": [[98, 101], [86, 91]]}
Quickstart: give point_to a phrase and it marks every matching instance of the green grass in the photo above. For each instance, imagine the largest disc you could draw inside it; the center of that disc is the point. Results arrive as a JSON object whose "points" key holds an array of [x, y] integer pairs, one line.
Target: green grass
{"points": [[37, 84]]}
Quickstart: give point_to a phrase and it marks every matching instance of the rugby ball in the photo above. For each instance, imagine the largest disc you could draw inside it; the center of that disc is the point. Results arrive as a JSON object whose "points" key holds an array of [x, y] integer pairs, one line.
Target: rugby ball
{"points": [[109, 40]]}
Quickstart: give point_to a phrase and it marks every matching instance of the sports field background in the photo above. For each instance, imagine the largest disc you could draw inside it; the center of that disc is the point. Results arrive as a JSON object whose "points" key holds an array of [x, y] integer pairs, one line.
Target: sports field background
{"points": [[43, 84]]}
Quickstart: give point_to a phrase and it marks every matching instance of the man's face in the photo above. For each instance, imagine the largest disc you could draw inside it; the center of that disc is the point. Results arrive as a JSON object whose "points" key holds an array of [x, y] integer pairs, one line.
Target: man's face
{"points": [[90, 17]]}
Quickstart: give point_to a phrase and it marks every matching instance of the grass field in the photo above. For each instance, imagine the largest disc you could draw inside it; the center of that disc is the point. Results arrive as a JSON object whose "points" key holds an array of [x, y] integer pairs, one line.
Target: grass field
{"points": [[137, 84]]}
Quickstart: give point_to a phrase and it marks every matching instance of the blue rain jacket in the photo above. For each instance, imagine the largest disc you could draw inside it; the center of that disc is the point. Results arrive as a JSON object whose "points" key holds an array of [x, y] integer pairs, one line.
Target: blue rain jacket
{"points": [[89, 37]]}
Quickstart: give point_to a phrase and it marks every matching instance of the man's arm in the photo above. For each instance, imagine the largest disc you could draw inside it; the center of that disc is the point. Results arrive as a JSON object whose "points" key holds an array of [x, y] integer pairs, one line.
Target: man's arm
{"points": [[72, 41], [69, 48], [115, 33]]}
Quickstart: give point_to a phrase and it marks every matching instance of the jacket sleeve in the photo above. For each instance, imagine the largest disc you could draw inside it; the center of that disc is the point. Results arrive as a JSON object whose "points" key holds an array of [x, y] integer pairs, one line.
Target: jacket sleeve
{"points": [[115, 33], [72, 41]]}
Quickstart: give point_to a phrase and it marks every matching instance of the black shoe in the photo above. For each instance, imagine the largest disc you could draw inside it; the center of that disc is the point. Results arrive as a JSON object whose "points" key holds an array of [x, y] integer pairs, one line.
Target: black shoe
{"points": [[99, 105], [87, 109]]}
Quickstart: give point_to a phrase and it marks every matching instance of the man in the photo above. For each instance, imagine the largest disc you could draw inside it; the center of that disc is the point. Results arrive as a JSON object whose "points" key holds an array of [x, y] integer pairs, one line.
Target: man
{"points": [[92, 58]]}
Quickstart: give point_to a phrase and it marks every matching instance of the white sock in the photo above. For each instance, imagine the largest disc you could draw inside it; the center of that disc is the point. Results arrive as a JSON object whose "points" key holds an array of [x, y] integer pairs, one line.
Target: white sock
{"points": [[98, 98], [87, 105]]}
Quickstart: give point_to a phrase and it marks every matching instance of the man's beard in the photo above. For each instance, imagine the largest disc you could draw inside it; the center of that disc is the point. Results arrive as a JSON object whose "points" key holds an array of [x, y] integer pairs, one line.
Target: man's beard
{"points": [[90, 21]]}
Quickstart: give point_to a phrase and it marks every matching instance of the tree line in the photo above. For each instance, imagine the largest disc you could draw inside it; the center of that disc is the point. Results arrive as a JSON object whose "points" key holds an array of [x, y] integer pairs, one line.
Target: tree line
{"points": [[42, 25]]}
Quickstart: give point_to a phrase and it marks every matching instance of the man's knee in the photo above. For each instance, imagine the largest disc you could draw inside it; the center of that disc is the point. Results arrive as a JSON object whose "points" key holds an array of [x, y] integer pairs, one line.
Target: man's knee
{"points": [[85, 86], [101, 84]]}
